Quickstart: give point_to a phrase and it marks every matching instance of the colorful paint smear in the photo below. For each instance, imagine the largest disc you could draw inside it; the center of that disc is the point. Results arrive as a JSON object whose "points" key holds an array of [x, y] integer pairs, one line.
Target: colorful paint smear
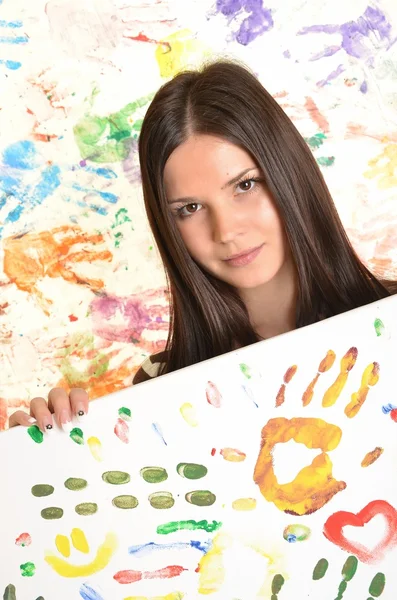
{"points": [[369, 378], [290, 372], [371, 457], [122, 431], [233, 455], [324, 366], [125, 577], [35, 433], [95, 447], [335, 523], [211, 567], [102, 558], [87, 592], [188, 412], [191, 470], [390, 409], [125, 413], [296, 533], [147, 549], [314, 485], [200, 498], [346, 364], [23, 540], [116, 477], [258, 21], [383, 167], [77, 436], [213, 395], [154, 474], [379, 327], [177, 50], [28, 569], [190, 525]]}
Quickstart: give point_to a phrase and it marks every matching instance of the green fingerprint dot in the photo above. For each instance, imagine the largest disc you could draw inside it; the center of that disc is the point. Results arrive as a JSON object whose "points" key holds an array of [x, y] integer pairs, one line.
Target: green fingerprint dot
{"points": [[86, 508], [277, 583], [35, 433], [377, 585], [201, 498], [125, 502], [125, 413], [349, 568], [246, 371], [53, 512], [28, 569], [75, 484], [77, 436], [161, 500], [42, 489], [191, 470], [379, 327], [154, 474], [320, 569], [116, 477]]}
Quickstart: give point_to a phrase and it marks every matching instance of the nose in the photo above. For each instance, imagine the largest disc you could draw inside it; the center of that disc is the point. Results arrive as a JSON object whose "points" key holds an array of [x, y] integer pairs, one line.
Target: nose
{"points": [[226, 226]]}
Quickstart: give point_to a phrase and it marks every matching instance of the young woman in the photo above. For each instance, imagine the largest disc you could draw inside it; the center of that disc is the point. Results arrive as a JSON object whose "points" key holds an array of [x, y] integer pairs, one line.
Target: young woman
{"points": [[247, 230]]}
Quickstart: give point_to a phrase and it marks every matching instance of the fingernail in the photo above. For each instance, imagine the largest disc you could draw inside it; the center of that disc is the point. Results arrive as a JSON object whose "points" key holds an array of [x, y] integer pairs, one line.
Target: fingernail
{"points": [[80, 413], [31, 420], [65, 421], [47, 425]]}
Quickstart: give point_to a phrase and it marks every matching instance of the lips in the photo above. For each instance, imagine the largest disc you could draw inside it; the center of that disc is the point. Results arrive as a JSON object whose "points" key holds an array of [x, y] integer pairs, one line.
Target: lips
{"points": [[244, 258]]}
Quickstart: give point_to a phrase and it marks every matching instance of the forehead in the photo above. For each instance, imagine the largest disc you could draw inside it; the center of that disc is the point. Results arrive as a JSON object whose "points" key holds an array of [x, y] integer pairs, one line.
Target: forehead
{"points": [[203, 160]]}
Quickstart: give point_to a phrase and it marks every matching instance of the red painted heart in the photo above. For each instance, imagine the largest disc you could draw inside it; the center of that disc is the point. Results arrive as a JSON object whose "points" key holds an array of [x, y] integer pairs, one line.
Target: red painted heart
{"points": [[335, 523]]}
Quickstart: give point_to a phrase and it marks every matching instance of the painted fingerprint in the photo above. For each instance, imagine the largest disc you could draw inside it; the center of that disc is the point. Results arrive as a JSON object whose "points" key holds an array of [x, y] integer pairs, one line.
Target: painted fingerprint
{"points": [[75, 484], [122, 431], [188, 413], [10, 592], [52, 513], [116, 477], [296, 533], [346, 364], [244, 504], [86, 508], [125, 502], [161, 500], [379, 327], [23, 540], [95, 447], [28, 569], [371, 457], [233, 455], [200, 498], [324, 366], [213, 395], [369, 378], [154, 474], [288, 375], [41, 490], [77, 436], [191, 470], [35, 433], [277, 584]]}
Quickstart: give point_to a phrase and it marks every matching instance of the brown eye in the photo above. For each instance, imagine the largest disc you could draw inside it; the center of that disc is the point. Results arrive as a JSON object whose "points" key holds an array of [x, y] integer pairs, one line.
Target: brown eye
{"points": [[191, 208], [246, 185]]}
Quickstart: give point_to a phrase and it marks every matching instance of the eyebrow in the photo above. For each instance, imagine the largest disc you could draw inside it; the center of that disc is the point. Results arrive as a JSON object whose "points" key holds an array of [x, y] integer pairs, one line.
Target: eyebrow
{"points": [[228, 184]]}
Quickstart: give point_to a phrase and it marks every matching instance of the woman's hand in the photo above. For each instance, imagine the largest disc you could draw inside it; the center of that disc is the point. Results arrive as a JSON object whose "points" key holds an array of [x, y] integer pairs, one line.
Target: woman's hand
{"points": [[61, 405]]}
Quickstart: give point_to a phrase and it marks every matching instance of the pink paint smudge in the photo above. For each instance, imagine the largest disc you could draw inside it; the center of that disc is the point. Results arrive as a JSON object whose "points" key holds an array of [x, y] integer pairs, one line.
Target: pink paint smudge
{"points": [[122, 431], [133, 576], [214, 397], [23, 540]]}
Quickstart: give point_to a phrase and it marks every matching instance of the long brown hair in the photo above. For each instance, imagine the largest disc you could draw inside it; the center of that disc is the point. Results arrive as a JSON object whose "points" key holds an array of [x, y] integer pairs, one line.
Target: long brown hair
{"points": [[208, 317]]}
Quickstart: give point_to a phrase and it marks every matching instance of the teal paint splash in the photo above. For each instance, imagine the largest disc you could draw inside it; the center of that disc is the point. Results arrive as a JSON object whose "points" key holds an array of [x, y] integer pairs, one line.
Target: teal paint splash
{"points": [[316, 140], [325, 161], [35, 433], [191, 525]]}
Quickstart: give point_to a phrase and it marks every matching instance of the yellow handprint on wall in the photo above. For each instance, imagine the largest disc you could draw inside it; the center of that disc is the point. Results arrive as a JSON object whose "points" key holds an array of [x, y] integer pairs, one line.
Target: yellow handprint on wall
{"points": [[79, 542]]}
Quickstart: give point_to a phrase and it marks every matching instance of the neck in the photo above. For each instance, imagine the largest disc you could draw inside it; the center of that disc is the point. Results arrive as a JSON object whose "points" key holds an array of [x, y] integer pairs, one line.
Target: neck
{"points": [[272, 307]]}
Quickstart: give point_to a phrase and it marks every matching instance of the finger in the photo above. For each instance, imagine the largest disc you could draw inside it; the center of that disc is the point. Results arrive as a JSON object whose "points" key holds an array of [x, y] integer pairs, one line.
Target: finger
{"points": [[79, 401], [41, 412], [59, 403], [21, 418]]}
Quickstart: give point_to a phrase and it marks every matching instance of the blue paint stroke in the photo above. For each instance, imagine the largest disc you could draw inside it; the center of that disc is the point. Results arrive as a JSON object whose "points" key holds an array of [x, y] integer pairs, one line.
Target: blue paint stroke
{"points": [[13, 65], [11, 24], [387, 408], [102, 172], [21, 39], [364, 87], [21, 155], [258, 22], [249, 393], [156, 428], [88, 593], [331, 76], [107, 196], [145, 549]]}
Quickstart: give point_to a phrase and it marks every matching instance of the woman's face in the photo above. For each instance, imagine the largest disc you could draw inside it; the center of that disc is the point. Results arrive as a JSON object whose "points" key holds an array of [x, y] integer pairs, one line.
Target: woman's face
{"points": [[224, 213]]}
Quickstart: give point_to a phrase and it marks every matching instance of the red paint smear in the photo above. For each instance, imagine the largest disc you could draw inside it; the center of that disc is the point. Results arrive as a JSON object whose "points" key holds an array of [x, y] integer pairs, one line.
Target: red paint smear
{"points": [[316, 116], [214, 396], [72, 318], [23, 540], [213, 451], [393, 415], [335, 523], [122, 431], [142, 37], [133, 576]]}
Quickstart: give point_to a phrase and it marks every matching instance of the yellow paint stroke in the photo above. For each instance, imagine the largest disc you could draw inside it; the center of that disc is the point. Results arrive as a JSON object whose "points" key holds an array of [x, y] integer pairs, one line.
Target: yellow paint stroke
{"points": [[172, 596], [370, 378], [371, 457], [79, 541], [233, 455], [63, 545], [290, 372], [314, 485], [346, 365], [244, 504], [95, 447], [324, 366], [177, 51], [188, 412], [384, 166], [211, 566], [101, 560]]}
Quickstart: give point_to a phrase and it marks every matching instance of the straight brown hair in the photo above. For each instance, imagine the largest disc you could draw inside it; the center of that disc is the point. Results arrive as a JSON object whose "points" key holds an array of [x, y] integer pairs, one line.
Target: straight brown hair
{"points": [[207, 317]]}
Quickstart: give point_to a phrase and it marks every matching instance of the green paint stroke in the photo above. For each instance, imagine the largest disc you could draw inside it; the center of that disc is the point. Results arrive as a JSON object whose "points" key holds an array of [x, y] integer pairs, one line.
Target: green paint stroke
{"points": [[75, 484], [125, 413], [121, 217], [108, 139], [315, 141], [174, 526], [191, 470], [377, 585], [10, 592], [277, 584], [28, 569], [77, 436], [35, 433], [379, 327], [348, 571], [82, 345], [42, 489], [320, 569], [246, 371], [325, 161]]}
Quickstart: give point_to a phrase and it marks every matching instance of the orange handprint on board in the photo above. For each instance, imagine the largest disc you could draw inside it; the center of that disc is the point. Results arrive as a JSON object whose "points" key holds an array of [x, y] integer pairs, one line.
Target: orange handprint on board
{"points": [[31, 257]]}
